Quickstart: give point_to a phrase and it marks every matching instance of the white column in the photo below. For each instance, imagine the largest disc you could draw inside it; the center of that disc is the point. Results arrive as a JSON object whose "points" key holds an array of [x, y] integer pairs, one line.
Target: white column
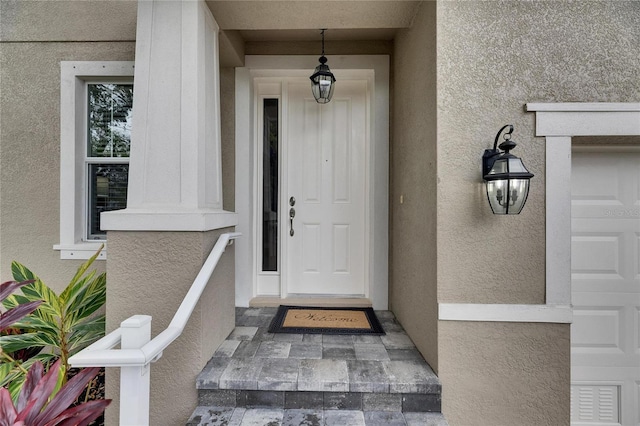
{"points": [[175, 177]]}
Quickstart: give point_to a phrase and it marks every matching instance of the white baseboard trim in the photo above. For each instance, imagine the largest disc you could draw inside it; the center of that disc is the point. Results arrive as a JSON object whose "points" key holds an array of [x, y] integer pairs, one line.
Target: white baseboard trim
{"points": [[562, 314]]}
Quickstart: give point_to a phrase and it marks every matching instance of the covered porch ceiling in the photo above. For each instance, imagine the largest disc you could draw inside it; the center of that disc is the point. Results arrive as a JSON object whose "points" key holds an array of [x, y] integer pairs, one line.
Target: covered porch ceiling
{"points": [[349, 19], [249, 22]]}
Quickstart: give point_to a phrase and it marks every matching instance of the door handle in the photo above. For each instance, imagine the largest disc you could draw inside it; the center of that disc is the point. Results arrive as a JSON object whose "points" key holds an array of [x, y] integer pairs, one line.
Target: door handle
{"points": [[292, 214]]}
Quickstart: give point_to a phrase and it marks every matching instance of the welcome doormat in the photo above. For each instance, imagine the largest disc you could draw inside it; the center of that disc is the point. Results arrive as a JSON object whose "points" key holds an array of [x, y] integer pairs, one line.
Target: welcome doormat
{"points": [[304, 319]]}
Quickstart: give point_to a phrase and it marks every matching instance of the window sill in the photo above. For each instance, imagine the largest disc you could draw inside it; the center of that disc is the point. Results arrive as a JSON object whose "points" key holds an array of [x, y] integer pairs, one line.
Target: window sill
{"points": [[81, 251]]}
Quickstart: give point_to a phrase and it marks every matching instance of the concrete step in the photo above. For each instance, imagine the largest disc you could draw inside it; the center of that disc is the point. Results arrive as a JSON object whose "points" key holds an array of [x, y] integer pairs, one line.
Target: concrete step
{"points": [[375, 379], [209, 416]]}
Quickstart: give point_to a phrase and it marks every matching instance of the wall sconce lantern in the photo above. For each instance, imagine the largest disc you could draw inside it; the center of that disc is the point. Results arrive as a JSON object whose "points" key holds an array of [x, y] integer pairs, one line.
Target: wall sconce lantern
{"points": [[507, 179], [322, 79]]}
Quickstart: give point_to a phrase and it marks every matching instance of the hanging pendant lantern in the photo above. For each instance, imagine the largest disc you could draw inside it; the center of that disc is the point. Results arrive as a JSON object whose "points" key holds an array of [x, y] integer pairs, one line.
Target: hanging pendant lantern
{"points": [[322, 80]]}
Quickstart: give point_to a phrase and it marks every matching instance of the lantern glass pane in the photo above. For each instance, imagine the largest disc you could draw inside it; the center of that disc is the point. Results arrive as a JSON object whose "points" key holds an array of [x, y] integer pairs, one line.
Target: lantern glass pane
{"points": [[507, 196], [500, 166], [322, 88], [516, 166]]}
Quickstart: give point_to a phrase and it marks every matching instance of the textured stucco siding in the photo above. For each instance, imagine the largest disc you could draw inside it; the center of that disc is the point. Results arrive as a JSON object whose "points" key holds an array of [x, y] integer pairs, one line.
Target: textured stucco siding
{"points": [[504, 374], [149, 274], [412, 267], [68, 20], [493, 58], [30, 151]]}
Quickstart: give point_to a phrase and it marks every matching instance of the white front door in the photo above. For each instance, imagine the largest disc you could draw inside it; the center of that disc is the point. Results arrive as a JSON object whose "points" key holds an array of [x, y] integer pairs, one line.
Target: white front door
{"points": [[605, 334], [326, 191]]}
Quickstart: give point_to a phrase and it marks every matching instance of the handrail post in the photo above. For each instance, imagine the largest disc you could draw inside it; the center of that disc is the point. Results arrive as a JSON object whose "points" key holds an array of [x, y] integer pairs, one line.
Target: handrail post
{"points": [[135, 381]]}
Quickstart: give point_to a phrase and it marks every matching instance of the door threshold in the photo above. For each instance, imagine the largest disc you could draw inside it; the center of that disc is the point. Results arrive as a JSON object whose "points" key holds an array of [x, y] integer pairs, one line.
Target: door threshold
{"points": [[325, 302]]}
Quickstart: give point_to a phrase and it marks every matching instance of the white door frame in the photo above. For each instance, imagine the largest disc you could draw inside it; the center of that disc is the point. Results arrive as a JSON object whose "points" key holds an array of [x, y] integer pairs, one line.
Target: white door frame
{"points": [[246, 166]]}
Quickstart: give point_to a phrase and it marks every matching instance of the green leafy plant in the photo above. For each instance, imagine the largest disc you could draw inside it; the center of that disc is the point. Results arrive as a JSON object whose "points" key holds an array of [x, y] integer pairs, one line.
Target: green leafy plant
{"points": [[12, 315], [61, 326], [16, 312], [40, 405]]}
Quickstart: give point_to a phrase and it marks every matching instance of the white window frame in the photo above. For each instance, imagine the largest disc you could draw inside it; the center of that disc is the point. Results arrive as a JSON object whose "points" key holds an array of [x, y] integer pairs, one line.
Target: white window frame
{"points": [[74, 77]]}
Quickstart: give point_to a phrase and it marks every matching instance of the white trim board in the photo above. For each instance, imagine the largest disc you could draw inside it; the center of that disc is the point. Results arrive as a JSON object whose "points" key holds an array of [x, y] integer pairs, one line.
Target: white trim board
{"points": [[558, 123], [505, 313]]}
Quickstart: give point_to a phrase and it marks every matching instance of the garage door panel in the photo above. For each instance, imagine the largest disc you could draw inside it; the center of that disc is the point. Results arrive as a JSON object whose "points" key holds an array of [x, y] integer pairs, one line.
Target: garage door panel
{"points": [[595, 179], [605, 278], [596, 329], [636, 256], [636, 323], [596, 254], [605, 254]]}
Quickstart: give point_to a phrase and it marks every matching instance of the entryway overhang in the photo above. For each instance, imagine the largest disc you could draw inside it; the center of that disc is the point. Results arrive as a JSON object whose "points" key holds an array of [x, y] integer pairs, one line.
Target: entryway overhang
{"points": [[306, 15], [246, 26]]}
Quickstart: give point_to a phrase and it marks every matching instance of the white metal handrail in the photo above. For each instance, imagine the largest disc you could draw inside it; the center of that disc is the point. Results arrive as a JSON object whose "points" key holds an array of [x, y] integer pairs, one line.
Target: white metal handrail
{"points": [[137, 349]]}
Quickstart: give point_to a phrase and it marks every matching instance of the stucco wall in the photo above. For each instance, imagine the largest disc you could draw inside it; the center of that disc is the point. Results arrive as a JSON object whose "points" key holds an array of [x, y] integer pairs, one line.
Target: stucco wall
{"points": [[494, 57], [504, 374], [149, 274], [34, 37], [412, 234], [30, 151]]}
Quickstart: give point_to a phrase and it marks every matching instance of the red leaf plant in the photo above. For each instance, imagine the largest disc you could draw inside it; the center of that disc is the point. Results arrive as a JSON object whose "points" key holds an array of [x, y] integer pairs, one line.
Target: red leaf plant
{"points": [[37, 407], [12, 315]]}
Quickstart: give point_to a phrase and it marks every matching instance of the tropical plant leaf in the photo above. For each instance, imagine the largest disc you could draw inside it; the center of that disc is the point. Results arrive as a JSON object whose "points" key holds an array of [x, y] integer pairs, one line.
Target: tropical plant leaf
{"points": [[12, 315], [8, 373], [85, 266], [86, 333], [40, 395], [78, 282], [5, 369], [33, 377], [36, 290], [81, 415], [33, 322], [15, 380], [9, 287], [8, 412], [15, 342], [75, 291], [62, 324], [88, 299], [67, 395]]}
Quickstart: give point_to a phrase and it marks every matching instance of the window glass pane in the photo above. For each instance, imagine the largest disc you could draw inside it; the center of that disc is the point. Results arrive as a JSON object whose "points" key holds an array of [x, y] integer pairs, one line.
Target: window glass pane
{"points": [[270, 186], [108, 191], [109, 123]]}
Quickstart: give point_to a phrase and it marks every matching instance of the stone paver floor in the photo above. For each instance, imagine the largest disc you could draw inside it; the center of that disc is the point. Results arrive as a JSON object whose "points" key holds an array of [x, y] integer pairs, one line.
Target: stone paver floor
{"points": [[315, 379], [214, 416], [253, 359]]}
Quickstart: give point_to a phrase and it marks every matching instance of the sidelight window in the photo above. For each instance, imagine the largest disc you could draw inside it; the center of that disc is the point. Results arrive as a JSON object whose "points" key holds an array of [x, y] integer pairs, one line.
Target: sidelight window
{"points": [[270, 193]]}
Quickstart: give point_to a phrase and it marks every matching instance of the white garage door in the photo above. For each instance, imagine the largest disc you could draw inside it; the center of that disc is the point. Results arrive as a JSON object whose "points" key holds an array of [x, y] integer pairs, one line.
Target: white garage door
{"points": [[605, 335]]}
